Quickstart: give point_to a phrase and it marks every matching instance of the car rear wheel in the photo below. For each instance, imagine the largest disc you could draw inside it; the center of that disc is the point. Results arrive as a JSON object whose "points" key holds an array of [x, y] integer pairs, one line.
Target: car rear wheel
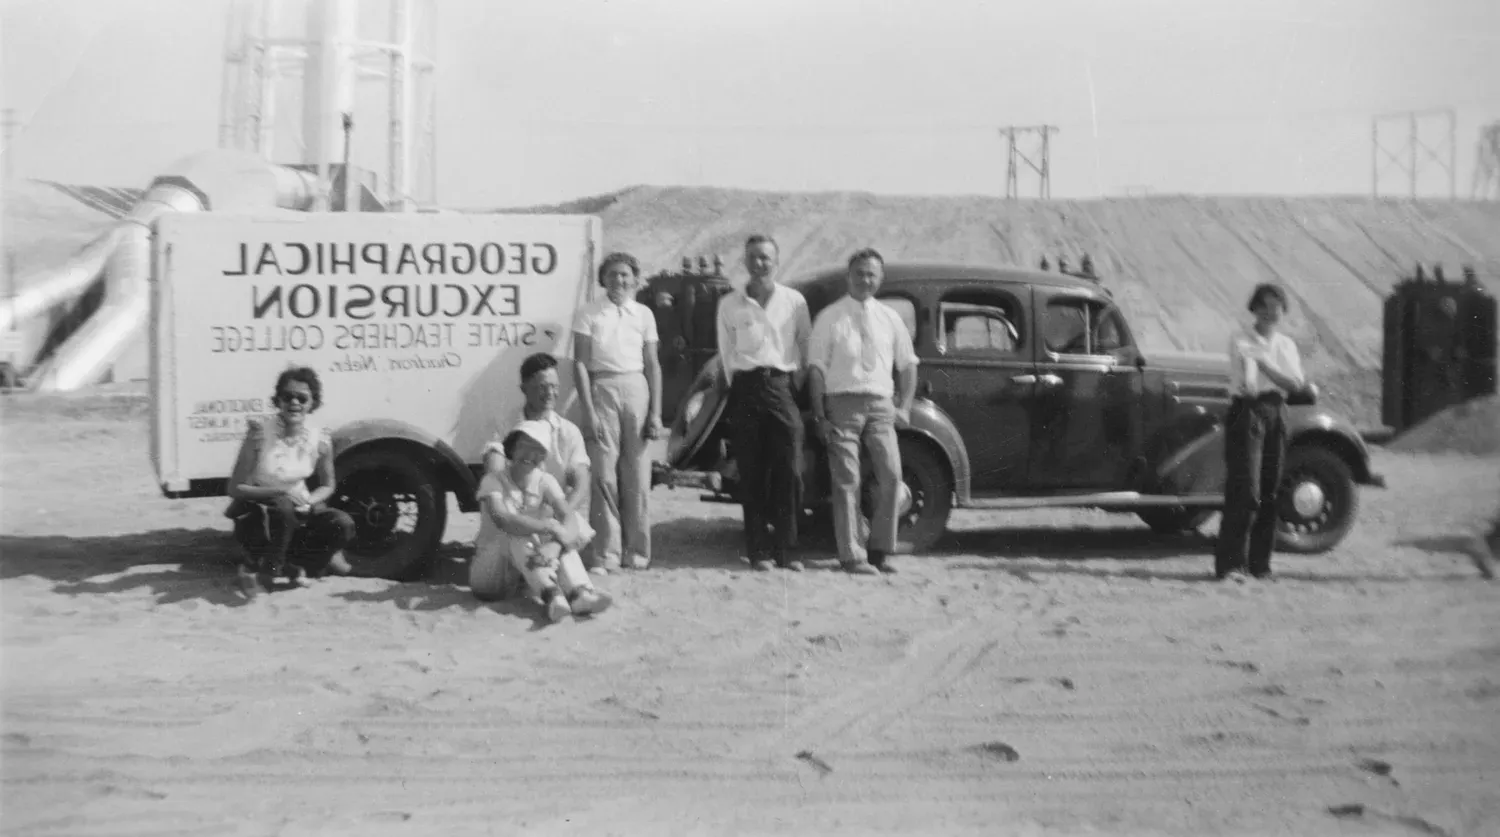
{"points": [[399, 513], [1317, 501]]}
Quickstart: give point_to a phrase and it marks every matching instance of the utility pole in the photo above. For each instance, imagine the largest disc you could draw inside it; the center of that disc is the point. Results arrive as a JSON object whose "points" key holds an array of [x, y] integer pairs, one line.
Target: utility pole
{"points": [[1416, 152], [1042, 165], [1487, 164], [9, 122]]}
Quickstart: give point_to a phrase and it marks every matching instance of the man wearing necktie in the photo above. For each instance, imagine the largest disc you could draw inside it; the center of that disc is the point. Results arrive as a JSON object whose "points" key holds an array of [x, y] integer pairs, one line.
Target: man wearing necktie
{"points": [[857, 344]]}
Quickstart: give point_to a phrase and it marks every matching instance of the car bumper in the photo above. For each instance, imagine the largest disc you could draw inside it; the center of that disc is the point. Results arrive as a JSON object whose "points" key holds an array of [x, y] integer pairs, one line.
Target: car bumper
{"points": [[662, 474]]}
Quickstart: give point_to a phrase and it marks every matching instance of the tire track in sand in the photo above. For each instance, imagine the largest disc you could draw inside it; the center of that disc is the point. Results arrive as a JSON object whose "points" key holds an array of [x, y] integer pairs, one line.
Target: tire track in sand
{"points": [[932, 664]]}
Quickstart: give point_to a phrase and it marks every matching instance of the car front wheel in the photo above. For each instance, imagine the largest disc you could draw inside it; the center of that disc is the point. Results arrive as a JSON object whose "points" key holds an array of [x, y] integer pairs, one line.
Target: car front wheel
{"points": [[1317, 501]]}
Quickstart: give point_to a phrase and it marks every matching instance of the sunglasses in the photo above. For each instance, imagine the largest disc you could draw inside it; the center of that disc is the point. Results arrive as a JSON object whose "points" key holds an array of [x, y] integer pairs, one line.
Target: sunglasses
{"points": [[295, 398]]}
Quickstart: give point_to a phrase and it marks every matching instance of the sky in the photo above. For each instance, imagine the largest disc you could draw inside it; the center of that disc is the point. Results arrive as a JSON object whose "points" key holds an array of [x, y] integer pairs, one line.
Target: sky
{"points": [[546, 100]]}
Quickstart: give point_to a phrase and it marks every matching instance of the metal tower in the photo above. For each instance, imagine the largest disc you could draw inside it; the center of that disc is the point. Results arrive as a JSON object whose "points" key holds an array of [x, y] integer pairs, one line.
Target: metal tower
{"points": [[1411, 166], [1487, 164], [266, 44], [1042, 165]]}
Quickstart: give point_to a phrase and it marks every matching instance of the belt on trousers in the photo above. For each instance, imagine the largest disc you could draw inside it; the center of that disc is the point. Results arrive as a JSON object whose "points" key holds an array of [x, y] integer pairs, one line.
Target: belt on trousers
{"points": [[763, 372]]}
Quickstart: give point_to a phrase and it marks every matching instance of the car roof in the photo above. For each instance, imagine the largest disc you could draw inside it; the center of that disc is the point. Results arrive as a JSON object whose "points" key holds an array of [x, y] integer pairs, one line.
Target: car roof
{"points": [[918, 272]]}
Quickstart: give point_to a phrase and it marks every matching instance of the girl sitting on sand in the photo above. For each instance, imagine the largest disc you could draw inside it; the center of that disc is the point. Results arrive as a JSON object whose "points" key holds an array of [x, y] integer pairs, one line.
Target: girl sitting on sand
{"points": [[526, 520], [286, 530]]}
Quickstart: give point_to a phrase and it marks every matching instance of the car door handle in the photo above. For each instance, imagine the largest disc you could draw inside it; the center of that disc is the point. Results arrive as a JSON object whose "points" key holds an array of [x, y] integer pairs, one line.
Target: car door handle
{"points": [[1023, 379], [1049, 380]]}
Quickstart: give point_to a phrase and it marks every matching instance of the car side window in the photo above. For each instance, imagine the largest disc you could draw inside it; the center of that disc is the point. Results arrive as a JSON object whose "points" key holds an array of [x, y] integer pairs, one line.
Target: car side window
{"points": [[1110, 334], [986, 324], [1074, 326], [906, 309], [1065, 327]]}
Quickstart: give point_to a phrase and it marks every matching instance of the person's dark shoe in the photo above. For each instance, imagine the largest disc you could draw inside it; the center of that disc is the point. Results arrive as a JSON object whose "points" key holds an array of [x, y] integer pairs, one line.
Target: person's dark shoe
{"points": [[858, 568], [297, 576], [1265, 576], [882, 562], [249, 583]]}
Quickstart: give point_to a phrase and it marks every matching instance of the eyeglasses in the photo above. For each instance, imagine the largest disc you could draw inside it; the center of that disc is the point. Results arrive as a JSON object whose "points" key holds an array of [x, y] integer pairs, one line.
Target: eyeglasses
{"points": [[295, 397]]}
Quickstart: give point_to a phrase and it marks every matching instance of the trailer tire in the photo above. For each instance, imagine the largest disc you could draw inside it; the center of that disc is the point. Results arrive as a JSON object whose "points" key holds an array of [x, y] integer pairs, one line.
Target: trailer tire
{"points": [[381, 490]]}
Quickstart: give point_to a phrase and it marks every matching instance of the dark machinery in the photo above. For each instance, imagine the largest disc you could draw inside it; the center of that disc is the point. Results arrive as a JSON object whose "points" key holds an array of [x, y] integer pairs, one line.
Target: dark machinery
{"points": [[1439, 346], [686, 304]]}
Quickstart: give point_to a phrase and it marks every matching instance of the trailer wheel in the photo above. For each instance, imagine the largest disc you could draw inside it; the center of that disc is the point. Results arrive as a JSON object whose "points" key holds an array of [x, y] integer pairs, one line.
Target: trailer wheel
{"points": [[399, 513]]}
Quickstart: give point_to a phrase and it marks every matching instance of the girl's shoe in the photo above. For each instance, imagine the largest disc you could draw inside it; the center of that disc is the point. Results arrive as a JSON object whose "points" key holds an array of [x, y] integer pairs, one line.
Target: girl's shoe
{"points": [[589, 601], [557, 608], [639, 562]]}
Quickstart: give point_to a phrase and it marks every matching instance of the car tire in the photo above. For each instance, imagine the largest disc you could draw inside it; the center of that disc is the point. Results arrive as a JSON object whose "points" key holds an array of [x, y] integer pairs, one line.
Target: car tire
{"points": [[1173, 520], [381, 490], [1304, 530], [926, 476]]}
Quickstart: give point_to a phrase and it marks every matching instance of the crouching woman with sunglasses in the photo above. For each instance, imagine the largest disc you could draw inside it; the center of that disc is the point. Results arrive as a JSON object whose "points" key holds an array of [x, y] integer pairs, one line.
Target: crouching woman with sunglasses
{"points": [[287, 531]]}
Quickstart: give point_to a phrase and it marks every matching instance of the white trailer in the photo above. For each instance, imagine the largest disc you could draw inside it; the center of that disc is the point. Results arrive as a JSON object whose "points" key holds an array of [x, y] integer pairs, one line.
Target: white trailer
{"points": [[416, 323]]}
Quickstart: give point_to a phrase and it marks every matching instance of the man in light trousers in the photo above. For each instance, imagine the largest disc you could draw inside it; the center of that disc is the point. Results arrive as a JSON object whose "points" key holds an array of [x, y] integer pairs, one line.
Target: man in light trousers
{"points": [[856, 345]]}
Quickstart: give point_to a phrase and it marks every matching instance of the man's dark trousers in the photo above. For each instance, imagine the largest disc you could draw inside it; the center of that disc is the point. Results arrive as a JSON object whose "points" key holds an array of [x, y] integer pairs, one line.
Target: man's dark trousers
{"points": [[1254, 449], [767, 434]]}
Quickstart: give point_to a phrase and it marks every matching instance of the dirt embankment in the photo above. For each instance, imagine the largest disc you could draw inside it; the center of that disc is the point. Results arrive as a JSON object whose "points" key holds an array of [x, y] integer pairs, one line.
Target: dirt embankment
{"points": [[1182, 267]]}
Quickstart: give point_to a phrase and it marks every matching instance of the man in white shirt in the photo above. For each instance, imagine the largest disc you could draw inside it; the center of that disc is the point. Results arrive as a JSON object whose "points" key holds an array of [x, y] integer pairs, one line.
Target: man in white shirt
{"points": [[567, 461], [762, 331], [567, 455], [1264, 367], [856, 344]]}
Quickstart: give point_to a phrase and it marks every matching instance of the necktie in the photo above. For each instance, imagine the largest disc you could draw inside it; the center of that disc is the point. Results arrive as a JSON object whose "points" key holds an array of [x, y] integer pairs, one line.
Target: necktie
{"points": [[867, 338]]}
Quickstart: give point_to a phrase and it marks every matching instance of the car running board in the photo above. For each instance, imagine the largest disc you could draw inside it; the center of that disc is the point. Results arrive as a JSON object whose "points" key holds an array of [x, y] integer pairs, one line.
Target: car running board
{"points": [[663, 474], [1107, 499]]}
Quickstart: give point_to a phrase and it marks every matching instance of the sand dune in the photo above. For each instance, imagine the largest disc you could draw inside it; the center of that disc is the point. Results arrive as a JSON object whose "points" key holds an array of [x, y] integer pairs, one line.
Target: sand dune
{"points": [[1181, 266]]}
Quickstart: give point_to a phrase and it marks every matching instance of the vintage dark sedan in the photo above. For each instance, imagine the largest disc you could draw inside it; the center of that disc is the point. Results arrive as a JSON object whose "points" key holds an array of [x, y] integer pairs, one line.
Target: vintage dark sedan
{"points": [[1032, 392]]}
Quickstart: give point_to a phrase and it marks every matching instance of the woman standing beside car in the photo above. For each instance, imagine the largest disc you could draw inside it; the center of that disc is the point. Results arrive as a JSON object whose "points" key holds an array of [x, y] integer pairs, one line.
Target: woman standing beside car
{"points": [[619, 387]]}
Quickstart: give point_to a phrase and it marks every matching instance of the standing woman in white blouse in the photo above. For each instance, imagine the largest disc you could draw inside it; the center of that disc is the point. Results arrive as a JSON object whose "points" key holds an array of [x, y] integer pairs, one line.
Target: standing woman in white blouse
{"points": [[619, 385], [1264, 368]]}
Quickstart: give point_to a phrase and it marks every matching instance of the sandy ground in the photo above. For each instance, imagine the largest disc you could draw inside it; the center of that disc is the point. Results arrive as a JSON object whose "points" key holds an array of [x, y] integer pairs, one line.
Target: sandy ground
{"points": [[1045, 673]]}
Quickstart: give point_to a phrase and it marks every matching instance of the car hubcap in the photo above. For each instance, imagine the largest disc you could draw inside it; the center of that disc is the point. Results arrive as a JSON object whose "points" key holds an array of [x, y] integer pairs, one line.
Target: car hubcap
{"points": [[1308, 499]]}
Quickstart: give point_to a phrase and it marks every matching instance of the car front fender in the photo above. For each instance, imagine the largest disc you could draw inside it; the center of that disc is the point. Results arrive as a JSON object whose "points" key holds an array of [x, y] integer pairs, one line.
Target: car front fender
{"points": [[1195, 465], [1311, 423]]}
